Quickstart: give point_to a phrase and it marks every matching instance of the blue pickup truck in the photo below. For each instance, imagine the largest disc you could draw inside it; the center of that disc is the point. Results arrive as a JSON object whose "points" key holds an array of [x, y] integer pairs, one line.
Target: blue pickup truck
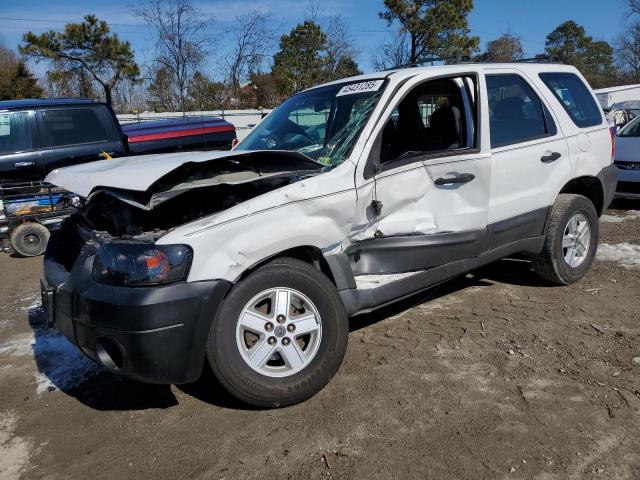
{"points": [[37, 136]]}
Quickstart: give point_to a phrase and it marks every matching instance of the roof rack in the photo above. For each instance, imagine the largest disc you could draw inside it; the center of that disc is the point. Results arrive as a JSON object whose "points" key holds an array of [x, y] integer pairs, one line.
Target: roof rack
{"points": [[539, 59], [467, 59], [457, 59]]}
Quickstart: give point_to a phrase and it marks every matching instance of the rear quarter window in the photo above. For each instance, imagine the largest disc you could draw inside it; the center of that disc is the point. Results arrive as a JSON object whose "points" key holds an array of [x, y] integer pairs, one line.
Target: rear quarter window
{"points": [[575, 97], [77, 125]]}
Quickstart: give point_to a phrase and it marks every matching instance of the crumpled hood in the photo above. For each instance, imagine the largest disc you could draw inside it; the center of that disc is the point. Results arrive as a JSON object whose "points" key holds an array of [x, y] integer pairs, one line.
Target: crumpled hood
{"points": [[139, 173]]}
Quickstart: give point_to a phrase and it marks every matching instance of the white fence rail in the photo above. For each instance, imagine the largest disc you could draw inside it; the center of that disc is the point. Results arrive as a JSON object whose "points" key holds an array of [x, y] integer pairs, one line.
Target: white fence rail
{"points": [[243, 120]]}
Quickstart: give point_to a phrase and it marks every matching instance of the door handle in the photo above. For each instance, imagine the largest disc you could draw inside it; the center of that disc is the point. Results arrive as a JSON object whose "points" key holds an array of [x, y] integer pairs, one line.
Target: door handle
{"points": [[458, 179], [552, 157], [24, 164]]}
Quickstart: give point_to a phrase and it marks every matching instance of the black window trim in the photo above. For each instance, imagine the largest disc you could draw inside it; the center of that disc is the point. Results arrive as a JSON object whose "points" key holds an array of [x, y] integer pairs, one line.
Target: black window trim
{"points": [[42, 129], [566, 109], [370, 170], [544, 117]]}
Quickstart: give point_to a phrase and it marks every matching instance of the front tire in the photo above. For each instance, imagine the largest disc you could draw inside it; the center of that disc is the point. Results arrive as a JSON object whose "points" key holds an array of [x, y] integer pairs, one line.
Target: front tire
{"points": [[279, 336], [571, 240]]}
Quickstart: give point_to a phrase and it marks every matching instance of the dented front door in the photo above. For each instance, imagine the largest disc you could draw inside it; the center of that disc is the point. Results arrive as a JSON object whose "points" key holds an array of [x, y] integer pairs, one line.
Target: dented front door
{"points": [[421, 212], [422, 215]]}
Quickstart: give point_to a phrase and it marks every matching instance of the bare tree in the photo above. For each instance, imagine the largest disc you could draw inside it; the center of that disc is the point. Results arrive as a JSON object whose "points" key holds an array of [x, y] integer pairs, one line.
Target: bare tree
{"points": [[181, 40], [313, 11], [506, 48], [339, 44], [634, 5], [628, 52], [392, 53], [161, 88], [252, 40]]}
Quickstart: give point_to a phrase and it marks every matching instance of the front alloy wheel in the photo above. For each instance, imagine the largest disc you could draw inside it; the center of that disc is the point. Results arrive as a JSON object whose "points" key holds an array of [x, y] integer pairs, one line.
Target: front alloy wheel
{"points": [[279, 336], [279, 332]]}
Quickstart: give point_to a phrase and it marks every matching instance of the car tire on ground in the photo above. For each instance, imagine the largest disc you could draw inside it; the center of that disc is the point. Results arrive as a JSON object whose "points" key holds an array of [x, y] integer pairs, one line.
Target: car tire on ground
{"points": [[279, 336], [571, 240], [29, 239]]}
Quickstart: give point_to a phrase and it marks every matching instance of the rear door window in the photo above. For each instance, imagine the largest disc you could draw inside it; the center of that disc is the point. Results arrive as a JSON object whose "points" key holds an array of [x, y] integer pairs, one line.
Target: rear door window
{"points": [[15, 133], [73, 126], [575, 97], [516, 113]]}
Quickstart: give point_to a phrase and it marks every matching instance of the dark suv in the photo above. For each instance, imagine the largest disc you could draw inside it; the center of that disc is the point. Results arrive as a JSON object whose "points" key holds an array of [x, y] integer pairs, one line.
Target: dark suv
{"points": [[37, 136]]}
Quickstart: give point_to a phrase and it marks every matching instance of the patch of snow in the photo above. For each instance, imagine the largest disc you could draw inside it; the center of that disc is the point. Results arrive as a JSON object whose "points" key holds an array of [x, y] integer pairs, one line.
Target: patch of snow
{"points": [[372, 281], [61, 365], [18, 347], [624, 254], [632, 215], [626, 215], [14, 451], [35, 296], [611, 219]]}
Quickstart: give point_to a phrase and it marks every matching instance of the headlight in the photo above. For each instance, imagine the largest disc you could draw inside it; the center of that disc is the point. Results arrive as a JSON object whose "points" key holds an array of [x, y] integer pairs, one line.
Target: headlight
{"points": [[139, 264]]}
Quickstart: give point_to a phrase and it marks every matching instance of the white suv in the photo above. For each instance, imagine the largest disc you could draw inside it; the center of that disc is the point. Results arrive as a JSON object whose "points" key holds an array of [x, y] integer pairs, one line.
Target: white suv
{"points": [[347, 197]]}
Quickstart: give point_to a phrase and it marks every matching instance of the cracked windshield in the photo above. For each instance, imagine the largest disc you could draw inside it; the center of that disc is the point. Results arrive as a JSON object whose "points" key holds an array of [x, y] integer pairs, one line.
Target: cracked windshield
{"points": [[322, 124]]}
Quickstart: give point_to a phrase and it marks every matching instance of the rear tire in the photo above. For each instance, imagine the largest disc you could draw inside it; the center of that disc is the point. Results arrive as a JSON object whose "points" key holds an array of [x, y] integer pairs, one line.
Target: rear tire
{"points": [[571, 240], [252, 318], [29, 239]]}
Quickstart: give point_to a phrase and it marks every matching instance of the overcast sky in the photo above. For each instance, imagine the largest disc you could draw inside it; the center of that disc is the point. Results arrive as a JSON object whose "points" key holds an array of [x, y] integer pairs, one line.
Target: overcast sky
{"points": [[531, 19]]}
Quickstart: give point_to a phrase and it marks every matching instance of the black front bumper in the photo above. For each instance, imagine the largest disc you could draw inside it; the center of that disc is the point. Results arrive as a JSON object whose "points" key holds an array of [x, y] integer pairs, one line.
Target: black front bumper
{"points": [[152, 334]]}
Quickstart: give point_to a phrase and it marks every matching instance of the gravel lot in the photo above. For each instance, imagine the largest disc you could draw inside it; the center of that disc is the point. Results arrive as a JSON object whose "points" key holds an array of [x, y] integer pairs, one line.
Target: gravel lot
{"points": [[492, 375]]}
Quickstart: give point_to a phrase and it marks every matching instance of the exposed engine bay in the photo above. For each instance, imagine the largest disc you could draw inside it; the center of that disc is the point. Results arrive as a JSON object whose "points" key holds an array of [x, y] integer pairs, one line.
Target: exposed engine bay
{"points": [[191, 191]]}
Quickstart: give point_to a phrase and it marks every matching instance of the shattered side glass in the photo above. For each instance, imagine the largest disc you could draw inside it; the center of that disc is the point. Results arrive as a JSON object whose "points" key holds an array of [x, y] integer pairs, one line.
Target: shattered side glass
{"points": [[323, 123]]}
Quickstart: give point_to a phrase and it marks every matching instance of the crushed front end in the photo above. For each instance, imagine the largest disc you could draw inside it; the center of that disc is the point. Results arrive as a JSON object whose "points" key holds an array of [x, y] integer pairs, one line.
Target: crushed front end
{"points": [[148, 326]]}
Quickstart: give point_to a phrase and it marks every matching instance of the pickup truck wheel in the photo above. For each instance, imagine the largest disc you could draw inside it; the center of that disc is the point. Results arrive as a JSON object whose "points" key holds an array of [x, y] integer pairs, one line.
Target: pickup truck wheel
{"points": [[279, 336], [571, 240], [29, 239]]}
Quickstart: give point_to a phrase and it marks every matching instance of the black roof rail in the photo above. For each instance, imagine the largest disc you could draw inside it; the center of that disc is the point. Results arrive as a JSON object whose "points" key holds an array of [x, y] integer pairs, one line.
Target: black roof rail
{"points": [[467, 59], [456, 59], [539, 59]]}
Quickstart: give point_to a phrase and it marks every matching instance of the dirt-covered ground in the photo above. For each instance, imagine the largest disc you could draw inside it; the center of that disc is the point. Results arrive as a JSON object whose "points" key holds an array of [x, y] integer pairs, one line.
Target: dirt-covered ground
{"points": [[493, 375]]}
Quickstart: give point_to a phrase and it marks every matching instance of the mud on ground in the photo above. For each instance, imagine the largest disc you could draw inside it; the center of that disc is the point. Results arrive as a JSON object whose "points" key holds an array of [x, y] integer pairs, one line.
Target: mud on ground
{"points": [[492, 375]]}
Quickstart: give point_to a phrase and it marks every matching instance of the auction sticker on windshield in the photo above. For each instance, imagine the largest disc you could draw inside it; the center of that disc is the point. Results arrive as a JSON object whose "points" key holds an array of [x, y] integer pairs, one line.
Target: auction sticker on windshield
{"points": [[371, 86]]}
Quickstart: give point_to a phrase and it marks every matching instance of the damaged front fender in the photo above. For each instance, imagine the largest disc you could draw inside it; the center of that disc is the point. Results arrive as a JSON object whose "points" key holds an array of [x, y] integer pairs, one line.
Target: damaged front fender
{"points": [[233, 210]]}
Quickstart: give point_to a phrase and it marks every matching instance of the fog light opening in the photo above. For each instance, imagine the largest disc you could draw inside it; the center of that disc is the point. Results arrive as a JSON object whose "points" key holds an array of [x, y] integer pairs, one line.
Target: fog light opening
{"points": [[109, 354]]}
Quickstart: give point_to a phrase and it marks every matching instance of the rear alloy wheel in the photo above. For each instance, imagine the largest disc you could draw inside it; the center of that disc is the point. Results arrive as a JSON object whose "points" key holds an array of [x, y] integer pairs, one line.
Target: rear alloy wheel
{"points": [[571, 240], [279, 336], [576, 240]]}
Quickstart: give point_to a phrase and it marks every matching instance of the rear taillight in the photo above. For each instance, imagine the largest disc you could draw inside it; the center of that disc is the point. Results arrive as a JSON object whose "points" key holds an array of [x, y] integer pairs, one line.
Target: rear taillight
{"points": [[234, 142], [612, 130]]}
